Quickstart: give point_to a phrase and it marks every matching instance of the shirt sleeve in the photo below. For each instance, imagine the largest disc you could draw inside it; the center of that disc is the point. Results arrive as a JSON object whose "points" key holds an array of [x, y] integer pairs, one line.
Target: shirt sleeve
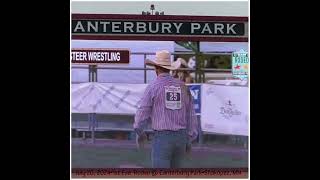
{"points": [[144, 110]]}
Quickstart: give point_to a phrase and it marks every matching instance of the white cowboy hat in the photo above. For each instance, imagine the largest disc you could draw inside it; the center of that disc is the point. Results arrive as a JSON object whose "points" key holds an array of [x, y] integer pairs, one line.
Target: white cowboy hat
{"points": [[183, 62], [163, 60]]}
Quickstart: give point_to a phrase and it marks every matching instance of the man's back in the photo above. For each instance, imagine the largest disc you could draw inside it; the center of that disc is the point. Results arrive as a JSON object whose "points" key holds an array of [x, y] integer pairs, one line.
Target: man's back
{"points": [[170, 103]]}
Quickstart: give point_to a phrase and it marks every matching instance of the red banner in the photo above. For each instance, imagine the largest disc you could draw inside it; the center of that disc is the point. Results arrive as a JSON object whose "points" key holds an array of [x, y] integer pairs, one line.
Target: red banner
{"points": [[100, 56]]}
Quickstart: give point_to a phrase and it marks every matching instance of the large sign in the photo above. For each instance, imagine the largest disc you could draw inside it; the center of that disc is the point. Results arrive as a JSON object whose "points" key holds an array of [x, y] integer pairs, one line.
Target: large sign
{"points": [[100, 56], [225, 109], [160, 27]]}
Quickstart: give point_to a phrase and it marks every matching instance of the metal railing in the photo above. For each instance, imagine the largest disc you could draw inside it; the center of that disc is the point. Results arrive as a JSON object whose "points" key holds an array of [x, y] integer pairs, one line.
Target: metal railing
{"points": [[93, 75], [137, 68], [145, 69]]}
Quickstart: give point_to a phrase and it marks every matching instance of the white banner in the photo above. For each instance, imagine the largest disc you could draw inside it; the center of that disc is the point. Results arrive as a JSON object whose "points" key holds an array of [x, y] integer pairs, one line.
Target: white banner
{"points": [[106, 98], [113, 98], [224, 109]]}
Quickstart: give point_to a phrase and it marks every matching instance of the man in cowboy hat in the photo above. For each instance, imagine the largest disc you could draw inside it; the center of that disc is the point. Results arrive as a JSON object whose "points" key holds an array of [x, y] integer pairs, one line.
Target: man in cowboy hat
{"points": [[183, 75], [167, 102]]}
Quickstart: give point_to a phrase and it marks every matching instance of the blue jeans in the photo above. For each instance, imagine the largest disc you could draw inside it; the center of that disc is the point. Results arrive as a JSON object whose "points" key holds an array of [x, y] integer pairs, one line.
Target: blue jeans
{"points": [[168, 148]]}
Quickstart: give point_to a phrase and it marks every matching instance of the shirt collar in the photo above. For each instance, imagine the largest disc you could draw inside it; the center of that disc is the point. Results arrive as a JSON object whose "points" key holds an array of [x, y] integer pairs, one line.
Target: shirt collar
{"points": [[164, 75]]}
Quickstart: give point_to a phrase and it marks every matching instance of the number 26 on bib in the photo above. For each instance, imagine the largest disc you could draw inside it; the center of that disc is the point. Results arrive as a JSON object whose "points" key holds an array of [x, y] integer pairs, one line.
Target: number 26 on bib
{"points": [[172, 97]]}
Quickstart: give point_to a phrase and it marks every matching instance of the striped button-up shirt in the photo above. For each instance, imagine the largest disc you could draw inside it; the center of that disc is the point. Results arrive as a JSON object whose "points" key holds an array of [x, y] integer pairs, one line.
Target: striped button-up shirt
{"points": [[153, 107]]}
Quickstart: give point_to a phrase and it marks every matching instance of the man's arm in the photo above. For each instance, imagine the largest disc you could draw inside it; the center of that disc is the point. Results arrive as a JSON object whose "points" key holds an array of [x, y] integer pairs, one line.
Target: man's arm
{"points": [[191, 118], [193, 133], [143, 113]]}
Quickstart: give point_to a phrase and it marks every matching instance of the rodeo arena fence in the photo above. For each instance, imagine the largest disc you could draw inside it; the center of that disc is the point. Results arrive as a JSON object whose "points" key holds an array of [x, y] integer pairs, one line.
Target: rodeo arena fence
{"points": [[105, 97], [221, 103]]}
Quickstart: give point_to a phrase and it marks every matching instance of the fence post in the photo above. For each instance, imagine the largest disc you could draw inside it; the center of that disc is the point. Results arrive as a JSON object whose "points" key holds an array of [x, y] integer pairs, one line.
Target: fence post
{"points": [[93, 125], [200, 130], [93, 77], [89, 72], [145, 66], [90, 123], [95, 73]]}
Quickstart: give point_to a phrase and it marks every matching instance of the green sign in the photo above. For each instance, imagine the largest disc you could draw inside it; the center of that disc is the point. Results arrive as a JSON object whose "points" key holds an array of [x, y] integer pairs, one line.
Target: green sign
{"points": [[240, 64]]}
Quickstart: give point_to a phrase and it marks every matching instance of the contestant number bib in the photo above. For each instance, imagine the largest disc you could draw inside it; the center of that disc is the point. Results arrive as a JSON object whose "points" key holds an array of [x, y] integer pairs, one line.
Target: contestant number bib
{"points": [[172, 97]]}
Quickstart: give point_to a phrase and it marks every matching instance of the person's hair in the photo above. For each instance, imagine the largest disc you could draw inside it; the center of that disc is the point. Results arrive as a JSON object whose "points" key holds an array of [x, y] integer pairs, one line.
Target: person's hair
{"points": [[164, 70], [183, 66]]}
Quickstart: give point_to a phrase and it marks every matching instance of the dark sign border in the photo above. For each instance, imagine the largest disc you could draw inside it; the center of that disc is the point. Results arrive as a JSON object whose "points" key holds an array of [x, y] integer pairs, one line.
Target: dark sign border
{"points": [[102, 49], [157, 37]]}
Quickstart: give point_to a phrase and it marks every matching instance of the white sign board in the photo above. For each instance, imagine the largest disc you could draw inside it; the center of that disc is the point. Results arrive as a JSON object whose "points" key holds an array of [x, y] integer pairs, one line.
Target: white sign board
{"points": [[224, 109], [108, 98]]}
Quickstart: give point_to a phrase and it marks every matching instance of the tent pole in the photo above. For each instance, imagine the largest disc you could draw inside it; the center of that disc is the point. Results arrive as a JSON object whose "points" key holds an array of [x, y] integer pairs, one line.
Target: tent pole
{"points": [[93, 124]]}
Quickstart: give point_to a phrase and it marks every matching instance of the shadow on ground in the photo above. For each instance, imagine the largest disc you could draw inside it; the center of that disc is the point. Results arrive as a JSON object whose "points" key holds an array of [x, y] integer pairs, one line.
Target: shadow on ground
{"points": [[123, 154]]}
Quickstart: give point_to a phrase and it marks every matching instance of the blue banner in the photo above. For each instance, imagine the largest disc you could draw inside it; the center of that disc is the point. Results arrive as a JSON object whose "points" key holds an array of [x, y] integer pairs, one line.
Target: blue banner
{"points": [[195, 90]]}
